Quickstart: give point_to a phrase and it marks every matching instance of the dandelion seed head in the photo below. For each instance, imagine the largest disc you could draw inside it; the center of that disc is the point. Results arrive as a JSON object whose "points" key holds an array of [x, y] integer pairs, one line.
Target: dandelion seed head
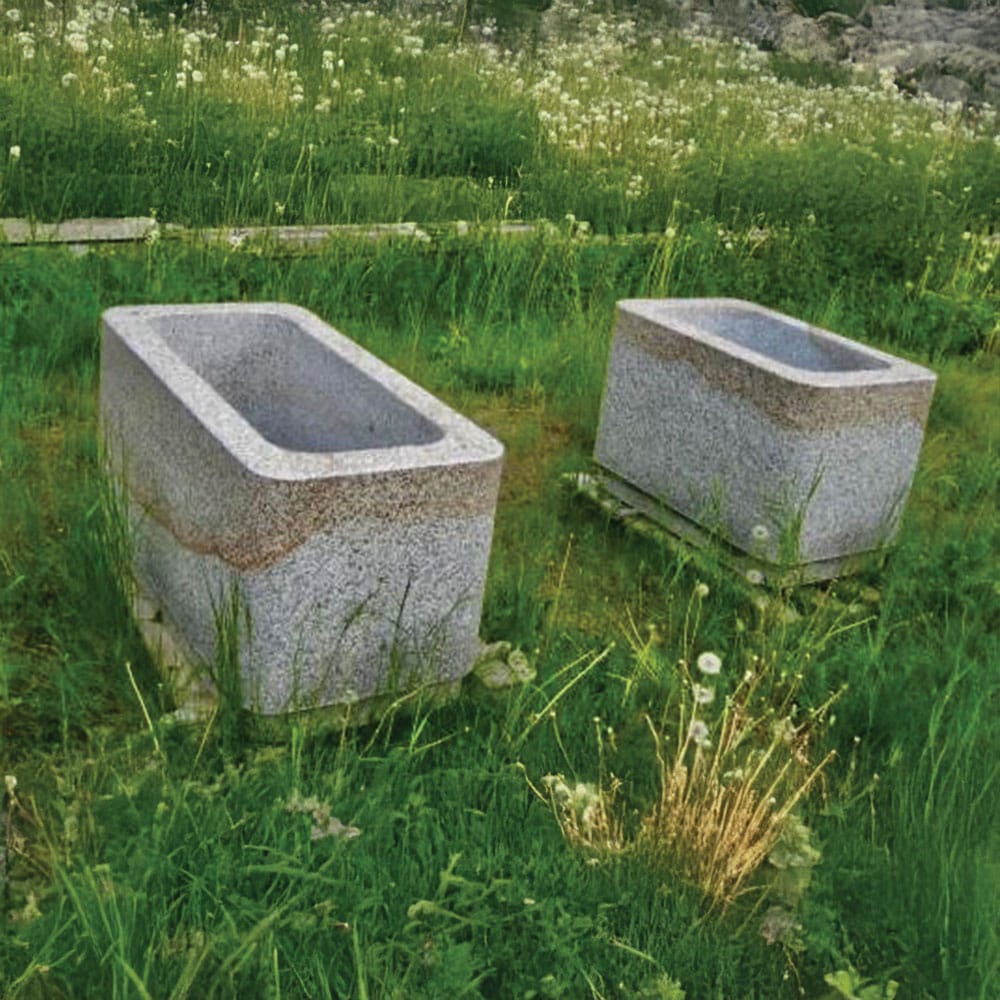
{"points": [[698, 734], [709, 663], [703, 695], [15, 152]]}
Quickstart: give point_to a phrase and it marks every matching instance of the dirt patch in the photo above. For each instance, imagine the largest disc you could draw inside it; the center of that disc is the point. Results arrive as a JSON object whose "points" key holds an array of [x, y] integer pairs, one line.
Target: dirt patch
{"points": [[534, 441]]}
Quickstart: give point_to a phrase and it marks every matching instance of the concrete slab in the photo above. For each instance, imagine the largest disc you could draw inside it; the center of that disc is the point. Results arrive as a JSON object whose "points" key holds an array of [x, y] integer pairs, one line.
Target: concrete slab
{"points": [[77, 231]]}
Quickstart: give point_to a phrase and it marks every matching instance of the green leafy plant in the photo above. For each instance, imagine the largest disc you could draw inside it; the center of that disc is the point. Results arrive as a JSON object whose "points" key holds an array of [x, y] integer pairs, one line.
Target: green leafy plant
{"points": [[846, 983]]}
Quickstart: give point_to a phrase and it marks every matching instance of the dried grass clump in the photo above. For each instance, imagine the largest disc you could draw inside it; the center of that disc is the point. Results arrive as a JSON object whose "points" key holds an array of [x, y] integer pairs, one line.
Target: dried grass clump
{"points": [[734, 759], [724, 804]]}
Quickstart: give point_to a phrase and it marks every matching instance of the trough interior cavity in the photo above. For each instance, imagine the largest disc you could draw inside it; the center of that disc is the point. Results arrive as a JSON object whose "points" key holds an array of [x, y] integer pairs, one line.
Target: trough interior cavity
{"points": [[788, 343], [292, 389]]}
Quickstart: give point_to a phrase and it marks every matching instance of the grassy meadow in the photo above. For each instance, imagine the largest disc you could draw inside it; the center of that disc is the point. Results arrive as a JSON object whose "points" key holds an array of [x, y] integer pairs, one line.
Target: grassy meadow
{"points": [[708, 791]]}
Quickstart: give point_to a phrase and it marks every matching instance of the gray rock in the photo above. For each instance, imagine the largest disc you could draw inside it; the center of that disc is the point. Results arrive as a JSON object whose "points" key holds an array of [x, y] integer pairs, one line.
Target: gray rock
{"points": [[953, 55], [500, 667]]}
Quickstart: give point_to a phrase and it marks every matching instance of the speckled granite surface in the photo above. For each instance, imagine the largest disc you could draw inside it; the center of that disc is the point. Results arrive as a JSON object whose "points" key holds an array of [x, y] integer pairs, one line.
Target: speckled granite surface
{"points": [[261, 449], [779, 435]]}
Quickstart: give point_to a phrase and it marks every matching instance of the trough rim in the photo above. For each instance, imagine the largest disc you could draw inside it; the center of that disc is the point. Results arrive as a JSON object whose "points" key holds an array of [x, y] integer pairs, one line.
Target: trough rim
{"points": [[462, 442], [892, 371]]}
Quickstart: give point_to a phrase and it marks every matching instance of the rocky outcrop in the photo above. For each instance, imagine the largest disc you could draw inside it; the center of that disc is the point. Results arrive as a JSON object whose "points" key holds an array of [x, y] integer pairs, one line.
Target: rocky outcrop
{"points": [[953, 55]]}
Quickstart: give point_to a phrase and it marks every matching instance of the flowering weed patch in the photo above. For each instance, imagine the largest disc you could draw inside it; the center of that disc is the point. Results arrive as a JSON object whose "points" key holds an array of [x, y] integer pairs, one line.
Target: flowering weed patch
{"points": [[730, 783], [732, 768], [604, 117]]}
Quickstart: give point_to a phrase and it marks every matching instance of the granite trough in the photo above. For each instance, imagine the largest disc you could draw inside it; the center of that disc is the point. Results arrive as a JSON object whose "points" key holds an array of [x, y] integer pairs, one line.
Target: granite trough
{"points": [[264, 455], [795, 445]]}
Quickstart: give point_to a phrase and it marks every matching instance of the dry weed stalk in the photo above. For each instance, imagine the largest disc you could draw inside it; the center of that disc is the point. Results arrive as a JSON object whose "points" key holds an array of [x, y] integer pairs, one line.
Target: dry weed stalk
{"points": [[731, 783], [722, 807], [586, 813]]}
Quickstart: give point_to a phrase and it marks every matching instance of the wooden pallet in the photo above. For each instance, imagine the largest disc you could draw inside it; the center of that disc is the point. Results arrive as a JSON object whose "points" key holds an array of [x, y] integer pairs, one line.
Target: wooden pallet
{"points": [[646, 516]]}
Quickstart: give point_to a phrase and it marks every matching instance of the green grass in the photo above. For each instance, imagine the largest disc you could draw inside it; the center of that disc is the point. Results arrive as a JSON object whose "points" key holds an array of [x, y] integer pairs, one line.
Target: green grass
{"points": [[144, 859], [176, 861]]}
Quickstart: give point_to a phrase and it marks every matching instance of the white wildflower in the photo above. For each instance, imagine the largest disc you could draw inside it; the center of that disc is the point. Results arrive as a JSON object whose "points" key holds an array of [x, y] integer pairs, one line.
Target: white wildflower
{"points": [[703, 695], [698, 734], [15, 152], [709, 663]]}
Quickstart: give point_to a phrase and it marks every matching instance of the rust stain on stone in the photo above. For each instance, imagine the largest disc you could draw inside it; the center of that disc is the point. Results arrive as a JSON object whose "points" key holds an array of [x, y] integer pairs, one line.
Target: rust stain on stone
{"points": [[273, 518], [800, 405]]}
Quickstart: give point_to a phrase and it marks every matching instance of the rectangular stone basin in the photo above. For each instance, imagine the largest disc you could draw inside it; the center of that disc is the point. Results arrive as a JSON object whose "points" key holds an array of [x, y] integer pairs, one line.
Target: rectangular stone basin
{"points": [[262, 453], [794, 444]]}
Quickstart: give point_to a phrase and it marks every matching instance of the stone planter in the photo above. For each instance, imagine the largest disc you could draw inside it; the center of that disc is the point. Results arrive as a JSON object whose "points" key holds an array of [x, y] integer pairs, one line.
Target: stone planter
{"points": [[797, 446], [265, 455]]}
